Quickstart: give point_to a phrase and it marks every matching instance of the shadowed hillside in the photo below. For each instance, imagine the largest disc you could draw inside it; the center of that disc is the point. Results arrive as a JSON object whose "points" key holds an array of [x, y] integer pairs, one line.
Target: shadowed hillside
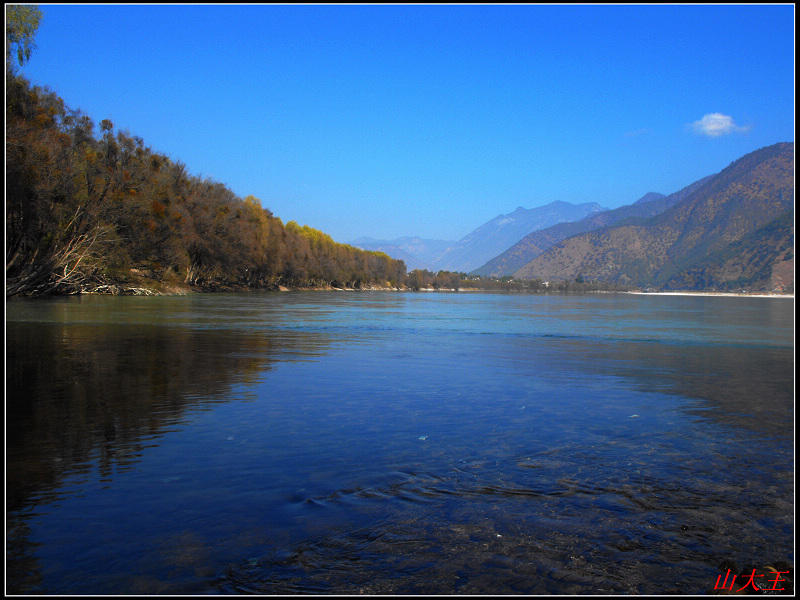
{"points": [[707, 240], [536, 243]]}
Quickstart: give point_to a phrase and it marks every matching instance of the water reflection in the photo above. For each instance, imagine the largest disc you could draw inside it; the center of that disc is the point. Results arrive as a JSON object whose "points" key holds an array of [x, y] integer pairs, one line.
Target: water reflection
{"points": [[80, 393], [84, 400], [740, 386]]}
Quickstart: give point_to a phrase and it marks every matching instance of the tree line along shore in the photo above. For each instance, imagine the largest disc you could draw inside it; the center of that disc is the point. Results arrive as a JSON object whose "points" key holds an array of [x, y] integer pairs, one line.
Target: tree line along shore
{"points": [[91, 211]]}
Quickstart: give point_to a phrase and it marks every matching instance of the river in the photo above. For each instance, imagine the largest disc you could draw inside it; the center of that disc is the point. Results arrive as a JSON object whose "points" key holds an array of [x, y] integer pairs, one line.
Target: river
{"points": [[385, 442]]}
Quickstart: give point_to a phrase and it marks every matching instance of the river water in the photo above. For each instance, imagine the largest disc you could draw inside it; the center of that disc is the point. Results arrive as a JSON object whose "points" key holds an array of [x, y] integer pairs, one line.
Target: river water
{"points": [[380, 442]]}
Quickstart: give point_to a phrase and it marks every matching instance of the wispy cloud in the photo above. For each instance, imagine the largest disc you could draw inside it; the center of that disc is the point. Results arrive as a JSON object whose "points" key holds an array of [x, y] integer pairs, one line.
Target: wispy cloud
{"points": [[717, 124]]}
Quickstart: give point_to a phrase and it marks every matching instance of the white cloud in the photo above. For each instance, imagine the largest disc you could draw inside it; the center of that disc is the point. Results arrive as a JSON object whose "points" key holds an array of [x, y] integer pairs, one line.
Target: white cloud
{"points": [[717, 124]]}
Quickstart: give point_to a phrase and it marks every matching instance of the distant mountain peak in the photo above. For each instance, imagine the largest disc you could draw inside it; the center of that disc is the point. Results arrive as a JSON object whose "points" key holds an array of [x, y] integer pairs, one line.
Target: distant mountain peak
{"points": [[481, 244], [649, 197], [503, 231]]}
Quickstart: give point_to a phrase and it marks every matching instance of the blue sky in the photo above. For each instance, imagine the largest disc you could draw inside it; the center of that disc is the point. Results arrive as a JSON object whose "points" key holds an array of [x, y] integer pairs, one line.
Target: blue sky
{"points": [[395, 120]]}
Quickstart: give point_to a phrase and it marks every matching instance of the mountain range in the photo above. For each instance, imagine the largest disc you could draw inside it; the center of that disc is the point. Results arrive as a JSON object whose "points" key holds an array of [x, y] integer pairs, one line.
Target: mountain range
{"points": [[418, 253], [485, 242], [733, 230], [535, 243], [495, 236]]}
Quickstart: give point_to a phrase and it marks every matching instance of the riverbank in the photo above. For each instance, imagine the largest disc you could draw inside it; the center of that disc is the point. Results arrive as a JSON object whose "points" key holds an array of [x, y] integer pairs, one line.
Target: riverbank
{"points": [[142, 283], [174, 289], [181, 289], [689, 293]]}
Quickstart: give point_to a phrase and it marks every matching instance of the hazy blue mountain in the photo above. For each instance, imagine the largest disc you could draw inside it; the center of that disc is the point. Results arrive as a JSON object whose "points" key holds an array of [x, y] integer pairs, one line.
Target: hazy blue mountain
{"points": [[495, 236], [418, 253]]}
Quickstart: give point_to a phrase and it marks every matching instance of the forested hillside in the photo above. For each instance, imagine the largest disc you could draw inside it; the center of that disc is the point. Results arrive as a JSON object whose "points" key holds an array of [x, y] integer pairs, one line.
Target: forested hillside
{"points": [[91, 210]]}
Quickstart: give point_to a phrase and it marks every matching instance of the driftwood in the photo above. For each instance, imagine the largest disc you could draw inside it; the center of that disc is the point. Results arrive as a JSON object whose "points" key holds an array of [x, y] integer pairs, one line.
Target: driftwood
{"points": [[118, 290], [66, 264]]}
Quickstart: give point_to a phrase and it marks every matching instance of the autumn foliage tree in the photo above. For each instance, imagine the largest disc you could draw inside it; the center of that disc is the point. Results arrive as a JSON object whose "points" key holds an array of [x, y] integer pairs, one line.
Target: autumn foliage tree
{"points": [[22, 21], [56, 188], [84, 208]]}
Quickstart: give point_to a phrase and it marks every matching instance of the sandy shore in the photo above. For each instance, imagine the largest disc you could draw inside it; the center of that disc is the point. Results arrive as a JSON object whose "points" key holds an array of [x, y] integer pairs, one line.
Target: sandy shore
{"points": [[753, 295]]}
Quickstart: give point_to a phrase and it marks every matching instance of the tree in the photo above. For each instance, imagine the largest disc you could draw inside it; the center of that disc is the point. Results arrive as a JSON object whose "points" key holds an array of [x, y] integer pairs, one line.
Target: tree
{"points": [[54, 194], [22, 21], [419, 279], [86, 210]]}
